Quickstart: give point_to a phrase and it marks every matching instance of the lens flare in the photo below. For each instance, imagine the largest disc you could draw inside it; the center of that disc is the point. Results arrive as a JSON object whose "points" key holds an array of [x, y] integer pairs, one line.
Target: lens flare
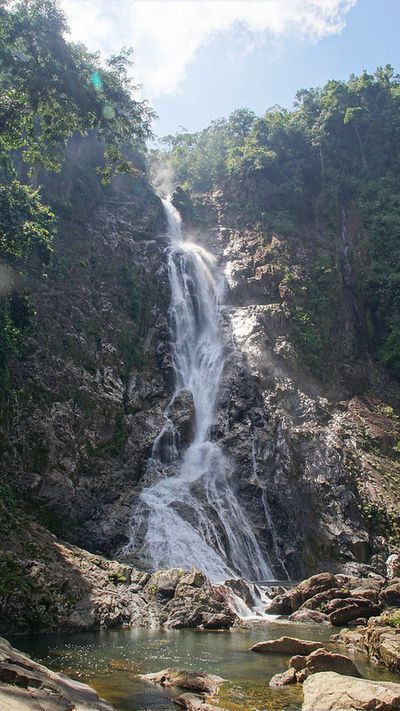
{"points": [[95, 78], [108, 112]]}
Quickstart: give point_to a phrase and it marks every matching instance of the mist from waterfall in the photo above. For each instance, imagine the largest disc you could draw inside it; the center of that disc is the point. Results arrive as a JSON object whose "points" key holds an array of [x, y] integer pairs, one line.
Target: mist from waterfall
{"points": [[188, 513]]}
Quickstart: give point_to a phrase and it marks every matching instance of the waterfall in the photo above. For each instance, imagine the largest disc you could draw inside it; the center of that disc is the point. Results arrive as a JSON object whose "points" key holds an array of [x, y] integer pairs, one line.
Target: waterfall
{"points": [[188, 513]]}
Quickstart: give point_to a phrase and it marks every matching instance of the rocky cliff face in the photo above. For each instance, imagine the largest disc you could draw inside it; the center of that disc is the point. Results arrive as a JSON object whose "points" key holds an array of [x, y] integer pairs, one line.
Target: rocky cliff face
{"points": [[88, 395], [305, 411]]}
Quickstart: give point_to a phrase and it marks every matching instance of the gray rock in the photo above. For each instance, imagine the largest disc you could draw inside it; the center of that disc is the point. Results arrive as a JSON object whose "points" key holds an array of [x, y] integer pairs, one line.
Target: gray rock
{"points": [[328, 691], [288, 677], [28, 686], [286, 645]]}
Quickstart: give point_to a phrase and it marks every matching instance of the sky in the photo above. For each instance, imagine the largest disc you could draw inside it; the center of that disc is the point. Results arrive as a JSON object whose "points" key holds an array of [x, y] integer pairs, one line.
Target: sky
{"points": [[199, 60]]}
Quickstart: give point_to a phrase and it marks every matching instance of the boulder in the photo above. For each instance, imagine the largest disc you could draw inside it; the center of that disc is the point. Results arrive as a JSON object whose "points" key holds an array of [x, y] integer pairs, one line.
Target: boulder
{"points": [[306, 615], [391, 595], [328, 691], [322, 660], [242, 589], [366, 593], [298, 662], [195, 702], [317, 602], [351, 608], [382, 643], [217, 621], [293, 599], [312, 586], [29, 686], [162, 585], [286, 645], [287, 677], [185, 679], [280, 605]]}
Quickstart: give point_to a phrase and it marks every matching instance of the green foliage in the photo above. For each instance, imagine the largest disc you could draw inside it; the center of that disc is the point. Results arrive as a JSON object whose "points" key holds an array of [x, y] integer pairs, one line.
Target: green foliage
{"points": [[51, 88], [339, 145], [117, 578], [382, 522], [393, 620]]}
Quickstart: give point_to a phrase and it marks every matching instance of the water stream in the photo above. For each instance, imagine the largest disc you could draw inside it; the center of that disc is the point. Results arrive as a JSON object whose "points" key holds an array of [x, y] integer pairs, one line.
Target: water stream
{"points": [[188, 512]]}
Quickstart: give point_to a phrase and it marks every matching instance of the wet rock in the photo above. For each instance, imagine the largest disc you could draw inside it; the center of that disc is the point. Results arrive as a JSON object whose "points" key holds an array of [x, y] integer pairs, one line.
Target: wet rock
{"points": [[195, 702], [182, 413], [242, 589], [286, 645], [28, 686], [305, 615], [287, 677], [185, 679], [328, 691]]}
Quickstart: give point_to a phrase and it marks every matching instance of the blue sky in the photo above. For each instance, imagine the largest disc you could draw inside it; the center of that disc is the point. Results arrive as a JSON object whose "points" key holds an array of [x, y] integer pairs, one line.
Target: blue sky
{"points": [[200, 60]]}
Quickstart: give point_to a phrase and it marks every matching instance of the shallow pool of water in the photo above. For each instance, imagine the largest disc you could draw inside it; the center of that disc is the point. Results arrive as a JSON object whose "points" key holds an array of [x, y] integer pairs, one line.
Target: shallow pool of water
{"points": [[111, 660]]}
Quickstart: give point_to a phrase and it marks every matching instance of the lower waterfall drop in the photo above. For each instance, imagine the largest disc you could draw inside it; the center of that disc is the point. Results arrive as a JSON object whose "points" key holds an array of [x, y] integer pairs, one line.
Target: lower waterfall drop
{"points": [[187, 513]]}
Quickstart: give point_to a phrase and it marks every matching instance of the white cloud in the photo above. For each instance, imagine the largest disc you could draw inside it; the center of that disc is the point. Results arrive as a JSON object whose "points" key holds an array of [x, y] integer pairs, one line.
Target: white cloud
{"points": [[167, 35]]}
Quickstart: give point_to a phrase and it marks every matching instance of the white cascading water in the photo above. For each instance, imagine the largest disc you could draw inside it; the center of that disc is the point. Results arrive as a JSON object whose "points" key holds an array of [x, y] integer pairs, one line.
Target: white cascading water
{"points": [[188, 513]]}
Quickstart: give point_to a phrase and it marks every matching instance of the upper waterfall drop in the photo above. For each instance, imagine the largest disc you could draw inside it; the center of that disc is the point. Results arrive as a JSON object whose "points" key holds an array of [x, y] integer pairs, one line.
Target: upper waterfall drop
{"points": [[188, 513]]}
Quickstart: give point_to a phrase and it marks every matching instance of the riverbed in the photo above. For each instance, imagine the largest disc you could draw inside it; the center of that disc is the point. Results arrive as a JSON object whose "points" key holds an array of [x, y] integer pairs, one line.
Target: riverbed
{"points": [[111, 661]]}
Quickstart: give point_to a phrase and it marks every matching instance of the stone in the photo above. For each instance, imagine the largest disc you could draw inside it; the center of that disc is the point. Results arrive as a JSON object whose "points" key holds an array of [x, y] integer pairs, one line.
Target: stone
{"points": [[286, 645], [318, 601], [217, 621], [350, 609], [391, 595], [293, 599], [322, 660], [242, 589], [358, 622], [312, 586], [382, 643], [298, 662], [195, 702], [367, 593], [302, 675], [185, 679], [287, 677], [29, 686], [162, 585], [306, 615], [280, 605], [328, 691]]}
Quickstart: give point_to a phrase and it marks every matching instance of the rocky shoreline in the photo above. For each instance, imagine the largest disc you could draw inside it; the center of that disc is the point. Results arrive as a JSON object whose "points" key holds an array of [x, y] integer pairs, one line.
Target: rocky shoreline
{"points": [[28, 686], [50, 585], [119, 595]]}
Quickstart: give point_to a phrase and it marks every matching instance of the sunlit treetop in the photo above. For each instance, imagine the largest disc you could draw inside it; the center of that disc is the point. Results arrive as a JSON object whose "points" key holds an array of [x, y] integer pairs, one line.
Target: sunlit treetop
{"points": [[50, 87]]}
